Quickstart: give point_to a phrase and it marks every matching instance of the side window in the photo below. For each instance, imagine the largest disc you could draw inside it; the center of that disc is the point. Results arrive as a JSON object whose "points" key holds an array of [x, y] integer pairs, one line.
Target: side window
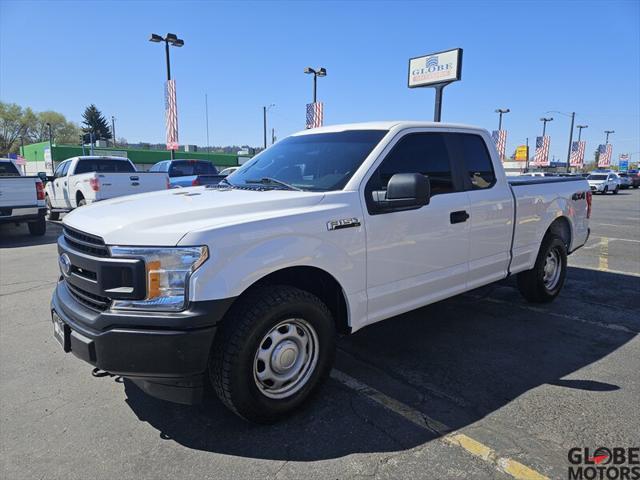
{"points": [[155, 168], [65, 169], [61, 168], [477, 161], [424, 153]]}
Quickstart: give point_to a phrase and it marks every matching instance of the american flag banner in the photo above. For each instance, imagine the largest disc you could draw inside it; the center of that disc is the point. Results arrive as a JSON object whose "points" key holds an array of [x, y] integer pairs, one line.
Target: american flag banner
{"points": [[500, 139], [315, 114], [576, 159], [541, 158], [604, 159], [171, 114]]}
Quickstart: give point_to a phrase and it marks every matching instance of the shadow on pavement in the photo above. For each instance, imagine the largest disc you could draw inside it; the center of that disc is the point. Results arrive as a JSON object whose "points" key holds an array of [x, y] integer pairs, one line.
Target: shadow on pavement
{"points": [[456, 361], [12, 236]]}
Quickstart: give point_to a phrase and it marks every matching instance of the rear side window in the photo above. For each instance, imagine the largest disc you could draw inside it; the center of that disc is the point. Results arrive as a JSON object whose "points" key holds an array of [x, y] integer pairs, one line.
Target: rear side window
{"points": [[477, 161], [424, 153], [104, 166], [8, 169], [187, 168]]}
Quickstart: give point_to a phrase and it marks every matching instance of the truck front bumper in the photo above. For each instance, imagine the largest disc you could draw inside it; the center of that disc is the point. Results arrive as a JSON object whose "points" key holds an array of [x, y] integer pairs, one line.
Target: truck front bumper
{"points": [[166, 355]]}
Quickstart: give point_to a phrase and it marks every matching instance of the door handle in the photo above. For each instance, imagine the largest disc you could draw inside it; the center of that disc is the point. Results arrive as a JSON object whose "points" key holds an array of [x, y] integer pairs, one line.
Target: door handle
{"points": [[460, 216]]}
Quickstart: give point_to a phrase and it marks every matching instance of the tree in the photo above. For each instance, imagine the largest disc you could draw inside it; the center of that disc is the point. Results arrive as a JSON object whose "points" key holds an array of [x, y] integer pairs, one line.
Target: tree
{"points": [[94, 122], [15, 122], [62, 131]]}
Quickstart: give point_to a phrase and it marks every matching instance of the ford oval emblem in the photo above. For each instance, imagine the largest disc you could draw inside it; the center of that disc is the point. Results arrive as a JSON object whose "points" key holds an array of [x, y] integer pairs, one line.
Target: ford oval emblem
{"points": [[65, 264]]}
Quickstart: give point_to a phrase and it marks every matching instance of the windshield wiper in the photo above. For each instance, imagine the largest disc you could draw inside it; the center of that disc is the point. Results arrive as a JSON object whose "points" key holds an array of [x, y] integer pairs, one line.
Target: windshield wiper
{"points": [[274, 181]]}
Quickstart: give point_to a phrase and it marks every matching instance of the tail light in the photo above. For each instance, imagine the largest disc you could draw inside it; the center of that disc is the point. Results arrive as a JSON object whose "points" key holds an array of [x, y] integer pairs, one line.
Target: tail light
{"points": [[95, 184], [39, 191], [195, 182], [589, 198]]}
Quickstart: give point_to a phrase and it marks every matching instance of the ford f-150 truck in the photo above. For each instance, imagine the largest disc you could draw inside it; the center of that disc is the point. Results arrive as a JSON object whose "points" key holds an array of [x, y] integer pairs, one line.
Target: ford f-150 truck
{"points": [[80, 181], [21, 198], [245, 284]]}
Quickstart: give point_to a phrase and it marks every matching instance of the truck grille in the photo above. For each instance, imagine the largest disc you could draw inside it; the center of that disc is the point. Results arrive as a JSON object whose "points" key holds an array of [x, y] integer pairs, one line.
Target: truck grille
{"points": [[95, 302], [85, 242]]}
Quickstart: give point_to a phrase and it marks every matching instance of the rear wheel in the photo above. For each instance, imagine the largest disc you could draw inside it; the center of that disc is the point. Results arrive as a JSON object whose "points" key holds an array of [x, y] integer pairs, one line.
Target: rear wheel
{"points": [[606, 189], [82, 202], [275, 346], [51, 215], [39, 227], [617, 189], [544, 281]]}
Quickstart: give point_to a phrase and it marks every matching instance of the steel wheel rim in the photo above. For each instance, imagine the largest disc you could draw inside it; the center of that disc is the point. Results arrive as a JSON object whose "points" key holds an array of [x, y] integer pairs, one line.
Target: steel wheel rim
{"points": [[552, 269], [286, 358]]}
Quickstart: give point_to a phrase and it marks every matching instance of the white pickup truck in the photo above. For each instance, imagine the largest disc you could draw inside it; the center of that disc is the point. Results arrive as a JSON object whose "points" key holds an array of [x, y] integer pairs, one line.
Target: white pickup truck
{"points": [[245, 284], [21, 198], [80, 181]]}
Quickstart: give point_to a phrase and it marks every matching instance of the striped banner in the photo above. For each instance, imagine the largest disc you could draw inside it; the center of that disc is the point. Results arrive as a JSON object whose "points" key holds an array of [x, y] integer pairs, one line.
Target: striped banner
{"points": [[576, 159], [315, 114], [541, 158], [500, 139], [604, 158], [171, 114]]}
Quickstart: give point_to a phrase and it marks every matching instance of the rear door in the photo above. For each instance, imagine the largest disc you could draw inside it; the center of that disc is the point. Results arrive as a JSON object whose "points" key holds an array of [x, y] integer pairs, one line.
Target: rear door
{"points": [[491, 210], [419, 256]]}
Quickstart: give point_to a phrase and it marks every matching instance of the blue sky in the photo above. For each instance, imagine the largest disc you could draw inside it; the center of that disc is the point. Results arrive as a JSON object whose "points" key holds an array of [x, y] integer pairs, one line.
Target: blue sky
{"points": [[531, 57]]}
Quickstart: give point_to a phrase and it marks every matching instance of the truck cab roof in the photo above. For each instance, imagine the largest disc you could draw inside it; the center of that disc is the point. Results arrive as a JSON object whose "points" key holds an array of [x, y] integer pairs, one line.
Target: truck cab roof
{"points": [[387, 125]]}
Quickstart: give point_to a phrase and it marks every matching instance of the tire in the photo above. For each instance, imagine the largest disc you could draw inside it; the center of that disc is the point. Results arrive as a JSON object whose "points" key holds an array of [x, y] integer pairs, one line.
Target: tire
{"points": [[38, 227], [248, 330], [606, 189], [617, 189], [82, 202], [51, 215], [534, 284]]}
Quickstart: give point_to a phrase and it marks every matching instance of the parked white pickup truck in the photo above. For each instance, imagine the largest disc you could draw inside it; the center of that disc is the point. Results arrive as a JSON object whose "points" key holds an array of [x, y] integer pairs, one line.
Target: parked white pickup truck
{"points": [[80, 181], [246, 283], [21, 198]]}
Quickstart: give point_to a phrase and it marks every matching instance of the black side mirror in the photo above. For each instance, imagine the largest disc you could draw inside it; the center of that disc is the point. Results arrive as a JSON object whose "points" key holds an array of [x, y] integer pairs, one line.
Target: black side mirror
{"points": [[43, 176], [405, 191]]}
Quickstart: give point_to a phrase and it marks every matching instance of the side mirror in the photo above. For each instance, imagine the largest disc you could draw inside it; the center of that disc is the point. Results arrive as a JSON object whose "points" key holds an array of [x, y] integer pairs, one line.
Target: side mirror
{"points": [[43, 176], [405, 191]]}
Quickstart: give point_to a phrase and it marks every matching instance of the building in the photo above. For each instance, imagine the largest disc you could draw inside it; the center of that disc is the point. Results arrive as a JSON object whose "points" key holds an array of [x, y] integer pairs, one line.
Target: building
{"points": [[41, 158]]}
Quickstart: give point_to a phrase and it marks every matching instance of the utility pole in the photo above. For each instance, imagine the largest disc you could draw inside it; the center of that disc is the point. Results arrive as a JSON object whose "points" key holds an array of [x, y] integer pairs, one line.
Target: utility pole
{"points": [[264, 126], [573, 117], [526, 165], [113, 129], [206, 109], [273, 136]]}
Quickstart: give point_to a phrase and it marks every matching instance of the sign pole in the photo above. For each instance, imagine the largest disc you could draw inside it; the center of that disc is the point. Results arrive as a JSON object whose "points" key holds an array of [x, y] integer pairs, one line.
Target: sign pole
{"points": [[437, 111]]}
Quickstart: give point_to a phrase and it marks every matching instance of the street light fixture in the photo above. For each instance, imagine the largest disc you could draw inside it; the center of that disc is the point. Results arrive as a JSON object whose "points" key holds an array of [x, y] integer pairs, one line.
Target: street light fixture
{"points": [[608, 132], [501, 111], [173, 40], [320, 72], [544, 121], [580, 127]]}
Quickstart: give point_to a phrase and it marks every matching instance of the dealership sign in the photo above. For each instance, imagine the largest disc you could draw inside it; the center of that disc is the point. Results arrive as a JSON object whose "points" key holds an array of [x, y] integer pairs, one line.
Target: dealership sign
{"points": [[435, 68]]}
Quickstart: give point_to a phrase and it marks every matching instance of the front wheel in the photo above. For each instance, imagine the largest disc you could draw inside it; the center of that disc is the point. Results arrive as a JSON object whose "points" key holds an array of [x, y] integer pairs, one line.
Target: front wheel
{"points": [[544, 281], [275, 346], [617, 189], [606, 189], [51, 215]]}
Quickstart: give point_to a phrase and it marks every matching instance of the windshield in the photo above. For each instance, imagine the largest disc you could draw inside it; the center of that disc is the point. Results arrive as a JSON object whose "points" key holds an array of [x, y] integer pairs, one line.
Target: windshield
{"points": [[187, 168], [597, 177], [316, 162], [103, 165]]}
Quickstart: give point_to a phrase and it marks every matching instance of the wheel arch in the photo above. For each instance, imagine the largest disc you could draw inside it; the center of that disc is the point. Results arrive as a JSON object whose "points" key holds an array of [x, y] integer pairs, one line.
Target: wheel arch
{"points": [[561, 226]]}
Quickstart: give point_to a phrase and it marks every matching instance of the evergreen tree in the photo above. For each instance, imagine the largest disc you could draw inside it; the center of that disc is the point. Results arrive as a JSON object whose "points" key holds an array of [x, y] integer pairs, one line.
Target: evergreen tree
{"points": [[94, 122]]}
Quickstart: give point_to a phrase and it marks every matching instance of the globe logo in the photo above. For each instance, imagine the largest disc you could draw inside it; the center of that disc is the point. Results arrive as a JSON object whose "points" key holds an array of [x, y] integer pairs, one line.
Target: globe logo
{"points": [[432, 62]]}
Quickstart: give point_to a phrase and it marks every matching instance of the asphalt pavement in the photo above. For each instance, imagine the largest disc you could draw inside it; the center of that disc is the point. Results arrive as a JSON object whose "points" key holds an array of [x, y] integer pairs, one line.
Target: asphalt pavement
{"points": [[483, 385]]}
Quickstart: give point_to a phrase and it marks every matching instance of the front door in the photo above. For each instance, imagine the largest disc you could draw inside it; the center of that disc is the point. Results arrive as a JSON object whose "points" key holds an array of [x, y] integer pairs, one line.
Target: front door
{"points": [[415, 257]]}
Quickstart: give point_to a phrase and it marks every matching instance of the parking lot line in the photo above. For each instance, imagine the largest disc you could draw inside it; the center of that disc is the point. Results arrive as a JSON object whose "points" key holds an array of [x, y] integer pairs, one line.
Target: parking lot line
{"points": [[479, 450], [603, 260]]}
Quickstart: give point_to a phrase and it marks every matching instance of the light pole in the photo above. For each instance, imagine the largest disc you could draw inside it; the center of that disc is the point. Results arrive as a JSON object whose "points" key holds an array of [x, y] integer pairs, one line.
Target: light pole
{"points": [[265, 109], [173, 40], [113, 130], [501, 111], [544, 121], [53, 165], [580, 127], [608, 132], [320, 72]]}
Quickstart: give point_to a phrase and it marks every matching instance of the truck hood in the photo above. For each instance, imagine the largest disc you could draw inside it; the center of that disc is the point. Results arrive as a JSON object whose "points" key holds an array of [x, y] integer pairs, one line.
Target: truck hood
{"points": [[162, 218]]}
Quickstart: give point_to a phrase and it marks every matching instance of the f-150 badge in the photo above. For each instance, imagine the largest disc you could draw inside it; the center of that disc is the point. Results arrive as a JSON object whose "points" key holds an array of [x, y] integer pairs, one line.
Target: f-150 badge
{"points": [[343, 223]]}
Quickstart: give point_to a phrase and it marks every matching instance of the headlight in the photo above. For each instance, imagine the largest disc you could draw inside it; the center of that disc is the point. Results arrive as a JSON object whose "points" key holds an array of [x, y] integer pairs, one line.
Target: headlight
{"points": [[167, 271]]}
